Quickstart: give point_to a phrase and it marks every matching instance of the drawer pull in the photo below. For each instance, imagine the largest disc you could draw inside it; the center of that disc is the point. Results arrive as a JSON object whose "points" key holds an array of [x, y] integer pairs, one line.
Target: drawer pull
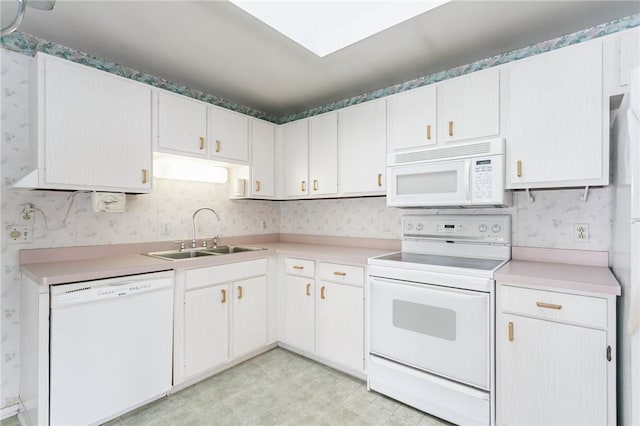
{"points": [[224, 296], [519, 168], [510, 331], [379, 179], [218, 146], [322, 292], [308, 292], [257, 186], [303, 186], [298, 267], [239, 292], [315, 185], [340, 274], [201, 142], [548, 306], [429, 132], [451, 128], [145, 175]]}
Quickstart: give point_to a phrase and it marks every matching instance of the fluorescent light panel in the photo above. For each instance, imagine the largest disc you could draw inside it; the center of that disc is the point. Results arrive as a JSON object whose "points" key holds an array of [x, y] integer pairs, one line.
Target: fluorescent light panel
{"points": [[167, 166], [324, 27]]}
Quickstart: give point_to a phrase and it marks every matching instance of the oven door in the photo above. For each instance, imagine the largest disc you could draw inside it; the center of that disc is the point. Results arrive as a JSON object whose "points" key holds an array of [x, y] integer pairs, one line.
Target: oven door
{"points": [[440, 330]]}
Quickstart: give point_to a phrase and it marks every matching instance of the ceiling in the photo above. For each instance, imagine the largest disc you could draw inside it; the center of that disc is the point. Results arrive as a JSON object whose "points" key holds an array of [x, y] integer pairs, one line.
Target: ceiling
{"points": [[219, 49]]}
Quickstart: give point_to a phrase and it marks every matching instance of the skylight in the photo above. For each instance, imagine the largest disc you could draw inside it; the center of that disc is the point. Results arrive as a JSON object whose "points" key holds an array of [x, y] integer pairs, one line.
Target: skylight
{"points": [[324, 27]]}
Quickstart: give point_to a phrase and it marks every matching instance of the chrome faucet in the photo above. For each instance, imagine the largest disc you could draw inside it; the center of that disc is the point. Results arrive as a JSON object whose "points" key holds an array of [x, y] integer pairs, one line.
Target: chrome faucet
{"points": [[193, 223]]}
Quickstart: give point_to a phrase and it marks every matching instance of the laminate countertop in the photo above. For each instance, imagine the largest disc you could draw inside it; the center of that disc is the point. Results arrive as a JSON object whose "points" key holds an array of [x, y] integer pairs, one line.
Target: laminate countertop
{"points": [[540, 272], [73, 264]]}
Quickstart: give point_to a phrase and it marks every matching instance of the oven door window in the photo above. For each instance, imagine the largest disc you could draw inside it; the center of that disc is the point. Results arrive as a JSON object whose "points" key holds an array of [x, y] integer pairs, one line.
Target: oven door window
{"points": [[441, 330], [425, 319]]}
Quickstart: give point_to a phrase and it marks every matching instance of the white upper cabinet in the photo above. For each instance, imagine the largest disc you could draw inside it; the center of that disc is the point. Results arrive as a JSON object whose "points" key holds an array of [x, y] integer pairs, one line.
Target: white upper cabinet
{"points": [[262, 137], [182, 124], [362, 149], [196, 129], [229, 135], [323, 154], [555, 119], [411, 119], [90, 129], [469, 106], [295, 148]]}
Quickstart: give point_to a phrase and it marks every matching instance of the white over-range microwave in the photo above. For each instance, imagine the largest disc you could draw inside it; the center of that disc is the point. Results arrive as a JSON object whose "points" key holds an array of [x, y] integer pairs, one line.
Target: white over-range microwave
{"points": [[462, 175]]}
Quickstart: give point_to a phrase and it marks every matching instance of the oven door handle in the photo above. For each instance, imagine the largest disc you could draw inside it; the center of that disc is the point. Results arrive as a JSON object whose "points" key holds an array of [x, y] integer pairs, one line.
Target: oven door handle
{"points": [[467, 180]]}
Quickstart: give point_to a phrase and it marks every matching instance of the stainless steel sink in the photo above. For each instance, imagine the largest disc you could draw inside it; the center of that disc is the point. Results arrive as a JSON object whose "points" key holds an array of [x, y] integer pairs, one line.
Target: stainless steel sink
{"points": [[175, 254], [201, 252], [230, 249]]}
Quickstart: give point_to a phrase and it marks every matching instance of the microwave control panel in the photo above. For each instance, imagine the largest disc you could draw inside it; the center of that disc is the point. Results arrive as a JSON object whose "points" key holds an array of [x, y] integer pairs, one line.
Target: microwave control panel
{"points": [[487, 178]]}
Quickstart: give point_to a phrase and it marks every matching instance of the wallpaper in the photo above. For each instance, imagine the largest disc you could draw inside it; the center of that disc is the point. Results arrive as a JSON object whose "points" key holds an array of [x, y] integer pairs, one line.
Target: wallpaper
{"points": [[28, 44], [548, 222]]}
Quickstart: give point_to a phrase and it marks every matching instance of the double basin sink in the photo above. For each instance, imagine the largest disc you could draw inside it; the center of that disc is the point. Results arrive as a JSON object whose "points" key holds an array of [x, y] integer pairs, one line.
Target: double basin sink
{"points": [[201, 252]]}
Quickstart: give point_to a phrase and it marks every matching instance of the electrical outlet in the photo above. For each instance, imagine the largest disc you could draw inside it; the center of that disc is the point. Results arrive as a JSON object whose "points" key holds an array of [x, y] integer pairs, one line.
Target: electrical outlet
{"points": [[581, 232], [18, 234], [165, 227]]}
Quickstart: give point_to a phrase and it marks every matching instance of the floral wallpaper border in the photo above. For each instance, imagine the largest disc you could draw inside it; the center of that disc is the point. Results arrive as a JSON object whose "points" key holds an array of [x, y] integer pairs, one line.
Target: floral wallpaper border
{"points": [[27, 44]]}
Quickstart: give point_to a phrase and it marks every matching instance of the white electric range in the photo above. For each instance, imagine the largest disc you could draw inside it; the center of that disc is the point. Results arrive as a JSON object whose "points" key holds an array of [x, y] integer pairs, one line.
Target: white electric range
{"points": [[432, 313]]}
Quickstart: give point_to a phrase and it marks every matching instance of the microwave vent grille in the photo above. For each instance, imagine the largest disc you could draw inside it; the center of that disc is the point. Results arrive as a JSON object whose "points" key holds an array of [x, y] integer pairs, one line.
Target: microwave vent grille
{"points": [[448, 152]]}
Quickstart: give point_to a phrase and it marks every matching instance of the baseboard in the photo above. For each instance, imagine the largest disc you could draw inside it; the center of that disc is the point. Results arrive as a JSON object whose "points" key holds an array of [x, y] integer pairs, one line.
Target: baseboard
{"points": [[9, 411]]}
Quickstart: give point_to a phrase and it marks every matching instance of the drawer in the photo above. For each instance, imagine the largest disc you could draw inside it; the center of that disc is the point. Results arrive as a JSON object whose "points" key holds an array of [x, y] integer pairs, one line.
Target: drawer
{"points": [[569, 308], [344, 274], [302, 267], [225, 273]]}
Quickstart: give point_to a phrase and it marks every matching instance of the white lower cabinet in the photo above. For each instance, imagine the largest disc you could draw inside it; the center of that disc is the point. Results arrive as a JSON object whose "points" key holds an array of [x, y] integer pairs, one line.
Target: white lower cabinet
{"points": [[555, 358], [206, 328], [225, 315], [299, 324], [327, 319], [340, 329], [249, 315]]}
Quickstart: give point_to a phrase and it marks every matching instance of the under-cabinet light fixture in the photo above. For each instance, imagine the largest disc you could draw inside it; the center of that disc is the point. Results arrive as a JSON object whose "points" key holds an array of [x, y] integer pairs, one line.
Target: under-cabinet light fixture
{"points": [[166, 166]]}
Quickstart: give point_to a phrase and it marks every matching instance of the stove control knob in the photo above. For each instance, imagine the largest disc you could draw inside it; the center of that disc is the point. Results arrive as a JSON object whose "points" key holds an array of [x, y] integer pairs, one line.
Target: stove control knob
{"points": [[496, 228], [419, 227], [409, 226], [482, 228]]}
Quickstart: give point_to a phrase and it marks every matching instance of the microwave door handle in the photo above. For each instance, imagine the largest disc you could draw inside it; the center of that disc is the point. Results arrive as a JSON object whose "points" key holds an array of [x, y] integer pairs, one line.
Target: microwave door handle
{"points": [[467, 180]]}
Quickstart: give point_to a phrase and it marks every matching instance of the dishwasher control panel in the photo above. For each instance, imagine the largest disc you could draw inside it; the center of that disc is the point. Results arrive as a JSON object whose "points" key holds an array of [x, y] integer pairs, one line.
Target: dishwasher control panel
{"points": [[92, 291]]}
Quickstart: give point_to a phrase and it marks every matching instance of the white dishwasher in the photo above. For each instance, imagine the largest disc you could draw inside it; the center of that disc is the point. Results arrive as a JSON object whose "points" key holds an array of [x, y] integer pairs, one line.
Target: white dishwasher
{"points": [[111, 346]]}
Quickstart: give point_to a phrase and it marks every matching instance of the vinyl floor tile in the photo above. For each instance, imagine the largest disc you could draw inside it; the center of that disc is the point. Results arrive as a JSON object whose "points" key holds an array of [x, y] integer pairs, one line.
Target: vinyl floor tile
{"points": [[276, 388]]}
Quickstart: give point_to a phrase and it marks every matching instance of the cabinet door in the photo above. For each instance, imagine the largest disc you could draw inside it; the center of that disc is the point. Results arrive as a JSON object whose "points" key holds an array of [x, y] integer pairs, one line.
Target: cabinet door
{"points": [[97, 129], [182, 124], [550, 373], [206, 328], [469, 106], [323, 154], [299, 311], [249, 319], [229, 134], [555, 119], [295, 146], [262, 159], [340, 324], [362, 149], [411, 119]]}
